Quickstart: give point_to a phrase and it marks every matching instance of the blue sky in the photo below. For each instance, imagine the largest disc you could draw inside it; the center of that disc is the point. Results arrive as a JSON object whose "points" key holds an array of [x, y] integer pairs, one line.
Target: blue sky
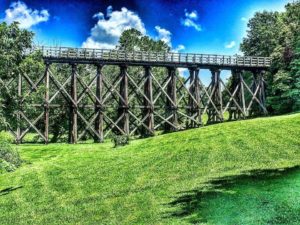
{"points": [[202, 26], [207, 26]]}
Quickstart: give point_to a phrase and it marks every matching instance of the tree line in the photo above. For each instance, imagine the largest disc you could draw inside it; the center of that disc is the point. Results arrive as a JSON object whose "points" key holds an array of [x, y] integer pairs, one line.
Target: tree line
{"points": [[277, 34], [274, 34]]}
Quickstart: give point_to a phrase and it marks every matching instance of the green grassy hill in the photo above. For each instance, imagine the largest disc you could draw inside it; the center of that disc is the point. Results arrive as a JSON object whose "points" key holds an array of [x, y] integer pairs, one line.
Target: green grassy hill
{"points": [[175, 178]]}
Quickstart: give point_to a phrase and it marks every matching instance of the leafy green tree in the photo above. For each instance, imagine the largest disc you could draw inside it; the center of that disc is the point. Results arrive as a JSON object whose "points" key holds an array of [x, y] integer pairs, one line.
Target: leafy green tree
{"points": [[134, 40], [276, 35], [294, 93], [13, 44], [262, 33]]}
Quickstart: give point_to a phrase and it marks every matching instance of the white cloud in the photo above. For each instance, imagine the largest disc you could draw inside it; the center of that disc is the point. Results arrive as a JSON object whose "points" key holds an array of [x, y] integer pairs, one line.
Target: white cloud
{"points": [[191, 15], [179, 48], [183, 72], [190, 20], [18, 11], [99, 16], [164, 35], [106, 33], [109, 11], [190, 23], [230, 44], [243, 19]]}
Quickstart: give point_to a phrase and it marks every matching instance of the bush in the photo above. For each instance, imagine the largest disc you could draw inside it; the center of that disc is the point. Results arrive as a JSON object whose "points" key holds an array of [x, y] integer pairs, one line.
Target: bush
{"points": [[6, 137], [9, 158], [120, 140], [6, 167]]}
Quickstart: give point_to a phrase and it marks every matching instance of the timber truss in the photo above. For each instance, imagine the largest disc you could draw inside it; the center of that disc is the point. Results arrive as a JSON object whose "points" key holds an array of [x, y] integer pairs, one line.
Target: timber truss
{"points": [[142, 97]]}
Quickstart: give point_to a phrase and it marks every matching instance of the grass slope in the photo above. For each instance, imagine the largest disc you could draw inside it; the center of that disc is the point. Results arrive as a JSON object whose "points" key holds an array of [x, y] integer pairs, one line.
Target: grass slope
{"points": [[265, 197], [146, 182]]}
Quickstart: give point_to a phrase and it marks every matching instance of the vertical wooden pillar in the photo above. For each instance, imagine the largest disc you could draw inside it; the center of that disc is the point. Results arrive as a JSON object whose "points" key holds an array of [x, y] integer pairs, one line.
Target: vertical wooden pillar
{"points": [[254, 81], [213, 115], [190, 123], [46, 104], [19, 129], [171, 102], [254, 110], [197, 97], [73, 107], [193, 108], [258, 89], [237, 87], [262, 93], [234, 82], [98, 106], [242, 91], [123, 103], [148, 103]]}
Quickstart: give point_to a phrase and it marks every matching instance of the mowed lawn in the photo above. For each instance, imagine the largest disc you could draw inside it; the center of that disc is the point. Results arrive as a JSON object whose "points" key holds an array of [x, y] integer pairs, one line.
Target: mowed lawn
{"points": [[160, 180]]}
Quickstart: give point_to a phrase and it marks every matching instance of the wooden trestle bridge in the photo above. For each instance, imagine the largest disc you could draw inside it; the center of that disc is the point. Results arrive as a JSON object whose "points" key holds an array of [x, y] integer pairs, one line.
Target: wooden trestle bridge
{"points": [[131, 102]]}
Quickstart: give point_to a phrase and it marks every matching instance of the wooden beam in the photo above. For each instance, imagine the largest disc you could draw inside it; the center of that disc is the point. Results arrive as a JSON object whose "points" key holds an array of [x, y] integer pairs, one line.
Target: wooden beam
{"points": [[148, 102], [237, 108], [123, 101], [194, 102], [46, 105], [171, 105], [98, 106], [216, 97], [262, 93], [258, 93], [73, 107], [243, 95], [19, 129]]}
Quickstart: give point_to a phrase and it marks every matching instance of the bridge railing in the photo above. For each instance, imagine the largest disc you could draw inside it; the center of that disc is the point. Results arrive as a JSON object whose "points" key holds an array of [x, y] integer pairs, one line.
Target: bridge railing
{"points": [[163, 57]]}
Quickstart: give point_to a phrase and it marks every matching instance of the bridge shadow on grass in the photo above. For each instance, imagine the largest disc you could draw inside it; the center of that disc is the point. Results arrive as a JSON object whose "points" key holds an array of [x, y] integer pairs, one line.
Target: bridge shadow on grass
{"points": [[193, 205], [6, 191]]}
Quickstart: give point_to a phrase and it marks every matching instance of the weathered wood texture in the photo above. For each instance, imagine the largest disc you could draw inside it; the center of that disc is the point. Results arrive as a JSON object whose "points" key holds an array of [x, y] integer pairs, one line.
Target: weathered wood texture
{"points": [[131, 104], [98, 106]]}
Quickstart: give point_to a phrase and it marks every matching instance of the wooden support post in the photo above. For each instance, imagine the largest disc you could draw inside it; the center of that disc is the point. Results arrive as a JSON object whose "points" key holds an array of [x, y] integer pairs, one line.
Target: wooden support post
{"points": [[73, 107], [46, 104], [148, 102], [123, 102], [98, 106], [254, 109], [194, 107], [242, 91], [190, 123], [258, 89], [262, 93], [215, 114], [198, 98], [234, 81], [237, 87], [19, 129], [171, 104], [254, 81]]}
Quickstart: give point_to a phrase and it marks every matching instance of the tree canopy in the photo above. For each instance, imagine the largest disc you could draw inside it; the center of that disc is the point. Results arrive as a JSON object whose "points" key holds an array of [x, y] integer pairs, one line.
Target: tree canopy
{"points": [[274, 34], [13, 43], [277, 35]]}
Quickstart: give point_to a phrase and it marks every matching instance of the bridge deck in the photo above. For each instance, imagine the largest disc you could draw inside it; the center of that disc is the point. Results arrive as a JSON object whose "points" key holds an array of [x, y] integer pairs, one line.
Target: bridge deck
{"points": [[139, 58]]}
